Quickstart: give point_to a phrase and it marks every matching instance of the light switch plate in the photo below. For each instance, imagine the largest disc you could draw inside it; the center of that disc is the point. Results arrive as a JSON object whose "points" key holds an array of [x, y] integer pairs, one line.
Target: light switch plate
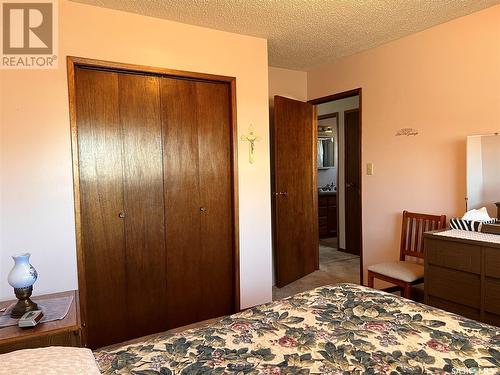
{"points": [[370, 169]]}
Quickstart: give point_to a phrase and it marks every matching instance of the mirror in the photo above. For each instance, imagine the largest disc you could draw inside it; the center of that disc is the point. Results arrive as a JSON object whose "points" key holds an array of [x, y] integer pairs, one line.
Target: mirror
{"points": [[326, 152], [483, 172]]}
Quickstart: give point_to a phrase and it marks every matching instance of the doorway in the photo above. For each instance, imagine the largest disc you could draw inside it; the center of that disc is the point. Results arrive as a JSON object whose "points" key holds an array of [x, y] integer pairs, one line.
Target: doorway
{"points": [[336, 185]]}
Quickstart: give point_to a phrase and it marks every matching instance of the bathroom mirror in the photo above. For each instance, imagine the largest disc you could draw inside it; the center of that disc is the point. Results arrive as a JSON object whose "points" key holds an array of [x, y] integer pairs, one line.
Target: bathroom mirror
{"points": [[483, 172], [326, 152]]}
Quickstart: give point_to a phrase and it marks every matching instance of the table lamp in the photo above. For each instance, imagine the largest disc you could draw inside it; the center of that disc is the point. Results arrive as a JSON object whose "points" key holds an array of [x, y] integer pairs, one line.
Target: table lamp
{"points": [[21, 278]]}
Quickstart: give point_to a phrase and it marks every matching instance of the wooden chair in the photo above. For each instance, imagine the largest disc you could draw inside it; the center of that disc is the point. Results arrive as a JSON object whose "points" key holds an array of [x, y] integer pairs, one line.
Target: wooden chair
{"points": [[405, 273]]}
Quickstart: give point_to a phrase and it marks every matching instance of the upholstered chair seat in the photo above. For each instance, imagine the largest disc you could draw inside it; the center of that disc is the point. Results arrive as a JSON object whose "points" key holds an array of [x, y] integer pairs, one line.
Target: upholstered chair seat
{"points": [[401, 270]]}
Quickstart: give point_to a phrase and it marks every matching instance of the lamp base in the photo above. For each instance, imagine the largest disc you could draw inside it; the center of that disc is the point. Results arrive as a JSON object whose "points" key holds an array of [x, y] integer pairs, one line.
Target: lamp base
{"points": [[24, 304]]}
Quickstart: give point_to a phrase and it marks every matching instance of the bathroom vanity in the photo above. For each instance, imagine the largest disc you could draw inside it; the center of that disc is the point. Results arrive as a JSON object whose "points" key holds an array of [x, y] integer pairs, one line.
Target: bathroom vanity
{"points": [[327, 214]]}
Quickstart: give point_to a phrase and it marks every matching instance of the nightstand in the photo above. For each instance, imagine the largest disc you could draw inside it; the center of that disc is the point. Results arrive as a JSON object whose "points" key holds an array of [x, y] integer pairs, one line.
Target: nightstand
{"points": [[65, 332]]}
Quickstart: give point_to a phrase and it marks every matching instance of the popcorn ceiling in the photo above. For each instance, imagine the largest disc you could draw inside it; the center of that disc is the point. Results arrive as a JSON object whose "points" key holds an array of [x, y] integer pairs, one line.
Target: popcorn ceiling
{"points": [[305, 33]]}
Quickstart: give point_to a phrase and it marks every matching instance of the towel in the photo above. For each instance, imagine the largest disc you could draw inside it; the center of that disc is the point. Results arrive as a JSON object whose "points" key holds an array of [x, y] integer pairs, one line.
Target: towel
{"points": [[480, 214]]}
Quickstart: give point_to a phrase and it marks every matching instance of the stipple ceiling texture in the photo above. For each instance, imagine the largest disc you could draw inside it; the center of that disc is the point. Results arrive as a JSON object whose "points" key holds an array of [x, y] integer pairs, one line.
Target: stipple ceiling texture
{"points": [[306, 33]]}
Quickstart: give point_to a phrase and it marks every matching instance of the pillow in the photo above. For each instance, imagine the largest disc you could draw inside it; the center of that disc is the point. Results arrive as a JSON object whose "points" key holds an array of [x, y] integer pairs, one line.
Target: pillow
{"points": [[54, 360]]}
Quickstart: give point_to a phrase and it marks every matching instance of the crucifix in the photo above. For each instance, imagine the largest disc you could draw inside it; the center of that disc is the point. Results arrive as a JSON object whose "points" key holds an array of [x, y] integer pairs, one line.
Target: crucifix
{"points": [[251, 138]]}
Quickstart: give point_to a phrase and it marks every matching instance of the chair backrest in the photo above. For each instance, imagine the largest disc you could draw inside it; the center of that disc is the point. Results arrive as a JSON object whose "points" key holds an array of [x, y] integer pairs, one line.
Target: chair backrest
{"points": [[412, 234]]}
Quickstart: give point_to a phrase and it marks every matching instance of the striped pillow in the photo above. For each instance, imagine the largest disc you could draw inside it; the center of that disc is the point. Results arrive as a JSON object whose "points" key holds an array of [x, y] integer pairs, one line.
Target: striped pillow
{"points": [[474, 226]]}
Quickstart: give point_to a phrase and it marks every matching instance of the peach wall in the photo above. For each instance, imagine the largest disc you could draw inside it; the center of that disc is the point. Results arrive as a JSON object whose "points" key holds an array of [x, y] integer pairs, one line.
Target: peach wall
{"points": [[287, 82], [445, 82], [36, 174]]}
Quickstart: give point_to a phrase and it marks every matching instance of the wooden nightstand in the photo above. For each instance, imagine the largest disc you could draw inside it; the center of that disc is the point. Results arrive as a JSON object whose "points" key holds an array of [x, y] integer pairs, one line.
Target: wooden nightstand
{"points": [[65, 332]]}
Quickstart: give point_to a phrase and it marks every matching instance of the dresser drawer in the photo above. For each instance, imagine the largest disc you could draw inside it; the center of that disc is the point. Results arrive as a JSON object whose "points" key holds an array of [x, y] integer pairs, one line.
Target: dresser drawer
{"points": [[454, 286], [454, 255], [493, 319], [492, 295], [491, 262]]}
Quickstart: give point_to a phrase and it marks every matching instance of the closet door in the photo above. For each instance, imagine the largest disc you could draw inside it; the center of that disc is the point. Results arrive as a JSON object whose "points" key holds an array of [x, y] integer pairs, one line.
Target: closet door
{"points": [[122, 208], [101, 200], [214, 139], [198, 200], [143, 204]]}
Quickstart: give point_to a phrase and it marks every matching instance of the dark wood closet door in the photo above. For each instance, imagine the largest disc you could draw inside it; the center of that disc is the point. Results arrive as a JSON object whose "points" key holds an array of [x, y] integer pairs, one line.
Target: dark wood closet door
{"points": [[197, 190], [144, 209], [101, 201], [214, 139], [182, 196], [295, 190]]}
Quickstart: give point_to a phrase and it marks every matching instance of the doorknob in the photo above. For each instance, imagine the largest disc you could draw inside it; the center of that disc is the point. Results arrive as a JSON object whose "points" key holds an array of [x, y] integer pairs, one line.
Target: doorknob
{"points": [[281, 193], [121, 215]]}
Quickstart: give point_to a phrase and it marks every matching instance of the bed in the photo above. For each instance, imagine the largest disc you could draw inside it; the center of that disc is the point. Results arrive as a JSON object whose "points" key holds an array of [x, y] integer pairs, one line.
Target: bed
{"points": [[337, 329]]}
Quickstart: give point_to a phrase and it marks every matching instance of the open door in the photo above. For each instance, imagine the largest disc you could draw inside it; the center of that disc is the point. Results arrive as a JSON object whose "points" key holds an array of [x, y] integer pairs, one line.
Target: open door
{"points": [[295, 192], [352, 131]]}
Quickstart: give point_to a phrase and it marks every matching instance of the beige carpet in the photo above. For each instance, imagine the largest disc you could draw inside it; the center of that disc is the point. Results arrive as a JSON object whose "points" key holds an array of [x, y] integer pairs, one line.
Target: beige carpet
{"points": [[334, 267]]}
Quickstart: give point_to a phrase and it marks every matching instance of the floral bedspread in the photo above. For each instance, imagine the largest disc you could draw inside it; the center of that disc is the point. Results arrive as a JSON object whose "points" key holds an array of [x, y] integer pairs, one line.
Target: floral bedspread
{"points": [[340, 329]]}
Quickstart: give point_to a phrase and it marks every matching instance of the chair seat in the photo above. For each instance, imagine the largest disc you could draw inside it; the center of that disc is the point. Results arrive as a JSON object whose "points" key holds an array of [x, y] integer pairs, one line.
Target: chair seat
{"points": [[405, 271]]}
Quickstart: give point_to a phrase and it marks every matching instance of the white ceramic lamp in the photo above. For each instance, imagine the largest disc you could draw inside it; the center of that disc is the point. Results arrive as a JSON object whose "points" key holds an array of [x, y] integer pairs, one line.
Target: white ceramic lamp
{"points": [[21, 278]]}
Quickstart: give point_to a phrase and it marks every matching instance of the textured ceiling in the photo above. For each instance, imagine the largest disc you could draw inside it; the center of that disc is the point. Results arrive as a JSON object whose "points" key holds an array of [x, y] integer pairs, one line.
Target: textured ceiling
{"points": [[306, 33]]}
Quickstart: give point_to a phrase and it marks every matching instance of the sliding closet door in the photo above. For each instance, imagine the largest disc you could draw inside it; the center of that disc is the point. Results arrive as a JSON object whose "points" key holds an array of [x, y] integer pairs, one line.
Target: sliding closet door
{"points": [[101, 201], [143, 203], [198, 200]]}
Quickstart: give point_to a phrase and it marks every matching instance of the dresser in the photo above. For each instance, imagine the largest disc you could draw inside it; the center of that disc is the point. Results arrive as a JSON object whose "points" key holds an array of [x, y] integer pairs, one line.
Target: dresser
{"points": [[327, 214], [462, 275]]}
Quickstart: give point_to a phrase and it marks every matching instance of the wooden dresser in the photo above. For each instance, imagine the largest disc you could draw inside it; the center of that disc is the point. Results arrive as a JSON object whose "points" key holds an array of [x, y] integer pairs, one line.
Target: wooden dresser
{"points": [[327, 214], [64, 332], [463, 276]]}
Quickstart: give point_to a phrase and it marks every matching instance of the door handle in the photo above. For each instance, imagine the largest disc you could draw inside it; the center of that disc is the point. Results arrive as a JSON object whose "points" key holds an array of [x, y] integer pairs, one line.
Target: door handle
{"points": [[203, 209], [121, 215]]}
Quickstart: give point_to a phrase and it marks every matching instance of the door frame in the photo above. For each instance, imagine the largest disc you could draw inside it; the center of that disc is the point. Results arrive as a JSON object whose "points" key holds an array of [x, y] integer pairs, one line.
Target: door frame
{"points": [[75, 62], [338, 96]]}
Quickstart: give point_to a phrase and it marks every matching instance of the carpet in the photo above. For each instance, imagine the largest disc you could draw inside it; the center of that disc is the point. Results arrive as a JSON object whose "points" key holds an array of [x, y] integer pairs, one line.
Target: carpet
{"points": [[334, 267]]}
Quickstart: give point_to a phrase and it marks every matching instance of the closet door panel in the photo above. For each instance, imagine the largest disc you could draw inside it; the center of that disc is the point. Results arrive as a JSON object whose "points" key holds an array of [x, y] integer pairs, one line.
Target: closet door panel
{"points": [[101, 200], [182, 209], [144, 208], [214, 135]]}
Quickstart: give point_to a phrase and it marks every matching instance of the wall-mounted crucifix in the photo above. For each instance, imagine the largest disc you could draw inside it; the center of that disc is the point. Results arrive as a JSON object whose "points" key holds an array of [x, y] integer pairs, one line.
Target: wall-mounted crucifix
{"points": [[251, 138]]}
